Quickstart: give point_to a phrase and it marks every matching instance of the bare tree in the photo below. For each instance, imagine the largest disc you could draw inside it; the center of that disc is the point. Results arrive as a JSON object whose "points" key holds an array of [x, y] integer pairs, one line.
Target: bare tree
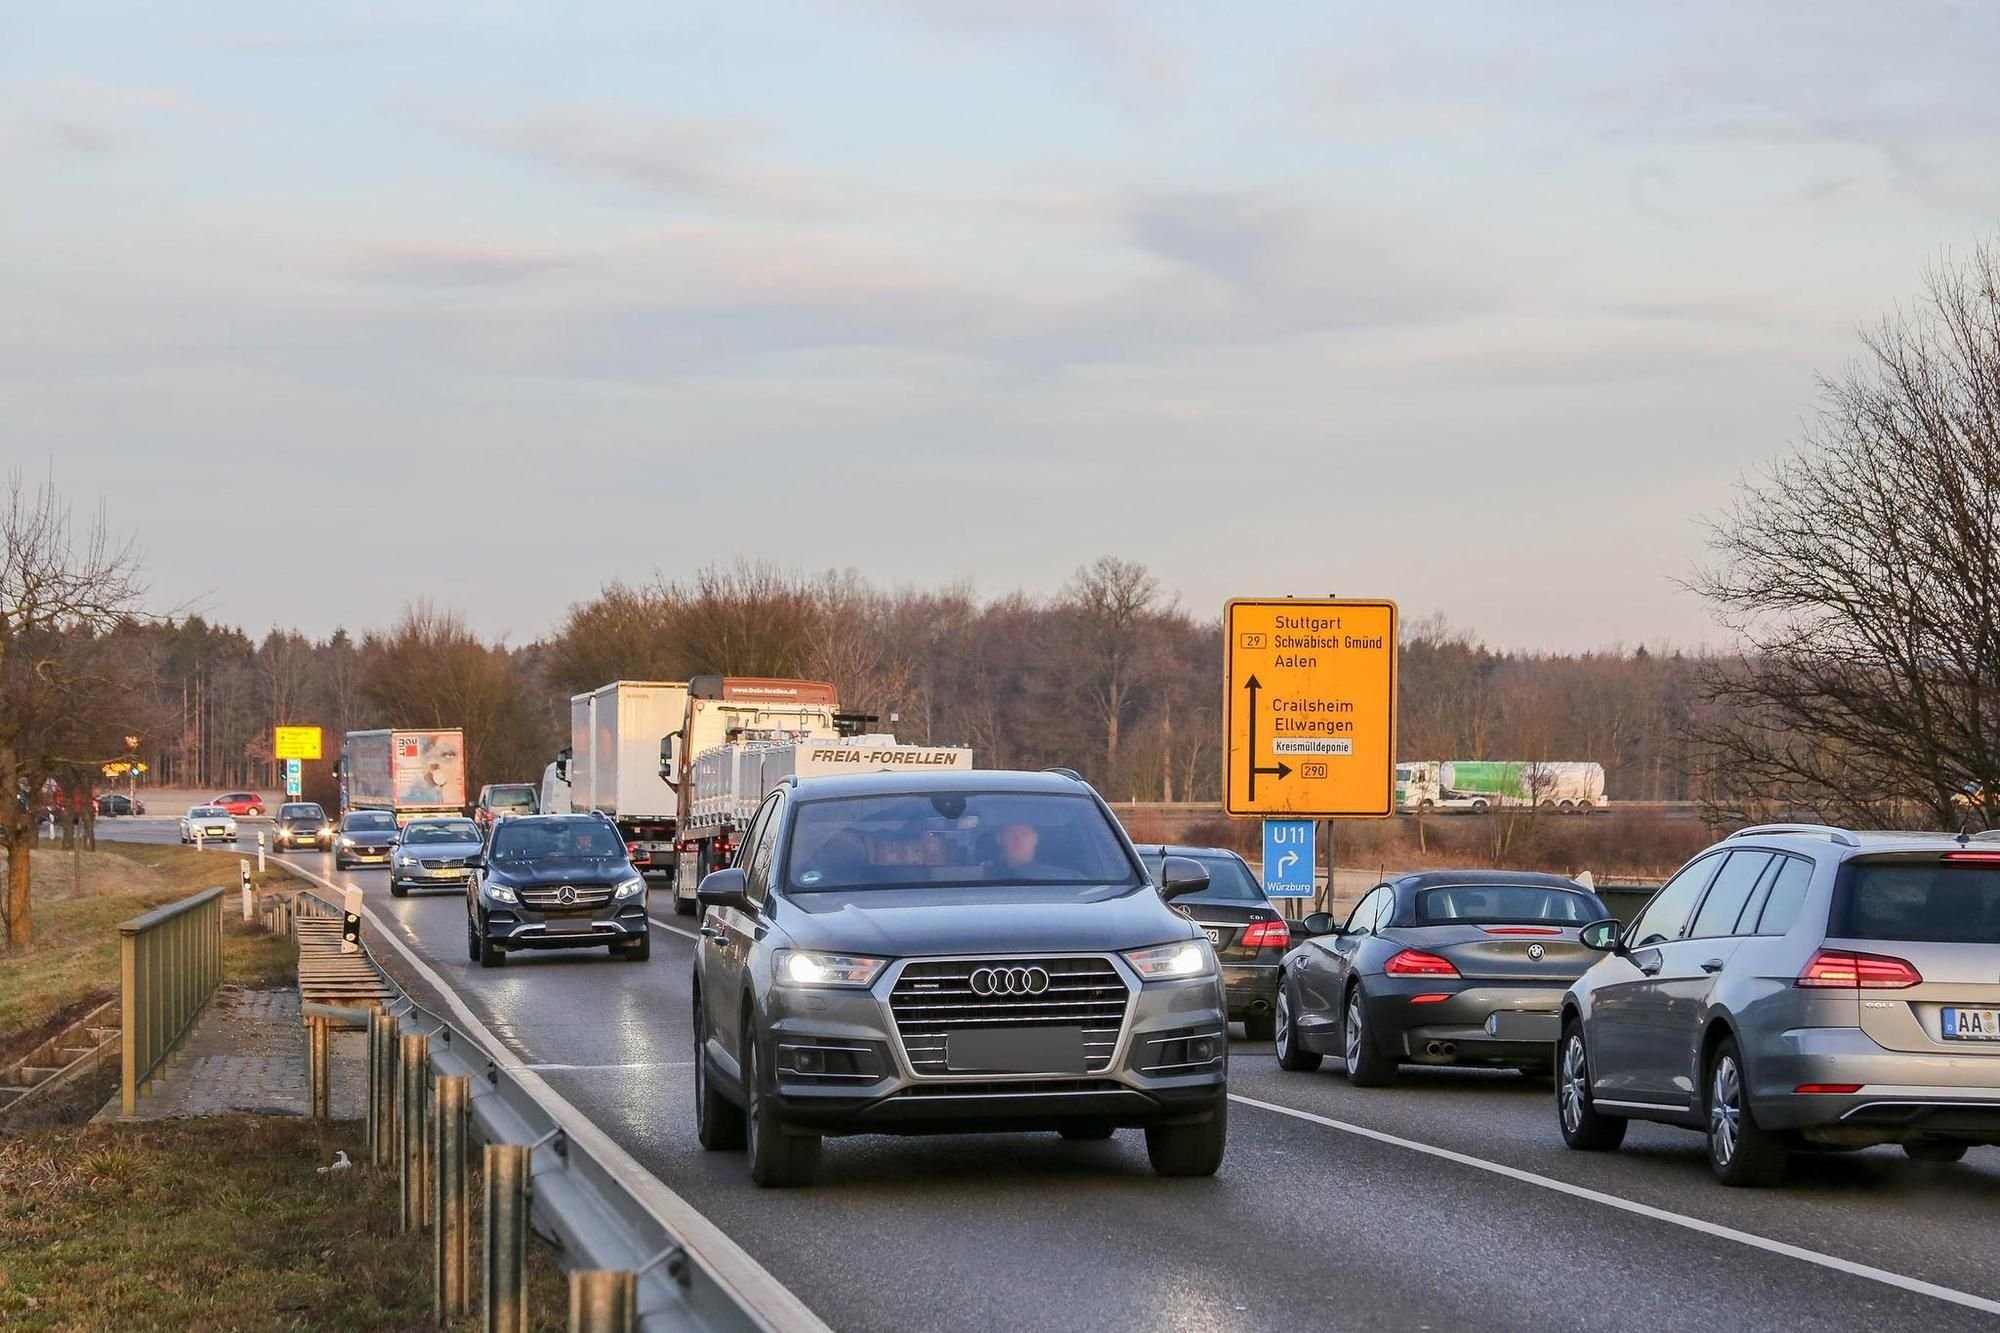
{"points": [[1863, 572], [58, 585], [1110, 602]]}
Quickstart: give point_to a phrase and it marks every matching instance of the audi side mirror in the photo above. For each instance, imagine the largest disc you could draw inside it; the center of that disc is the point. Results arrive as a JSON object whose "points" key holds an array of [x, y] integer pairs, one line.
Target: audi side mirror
{"points": [[1601, 935], [1318, 923], [724, 888], [1180, 876]]}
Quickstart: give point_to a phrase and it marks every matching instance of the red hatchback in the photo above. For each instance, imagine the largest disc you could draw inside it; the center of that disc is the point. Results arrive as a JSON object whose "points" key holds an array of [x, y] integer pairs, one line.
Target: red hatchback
{"points": [[240, 803]]}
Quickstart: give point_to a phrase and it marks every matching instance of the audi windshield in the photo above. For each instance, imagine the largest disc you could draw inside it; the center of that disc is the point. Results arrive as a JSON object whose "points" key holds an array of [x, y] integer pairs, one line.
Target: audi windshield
{"points": [[950, 838]]}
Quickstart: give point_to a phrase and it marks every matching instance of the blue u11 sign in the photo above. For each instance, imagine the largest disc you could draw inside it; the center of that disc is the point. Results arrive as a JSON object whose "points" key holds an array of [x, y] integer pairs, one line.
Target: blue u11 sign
{"points": [[1288, 858]]}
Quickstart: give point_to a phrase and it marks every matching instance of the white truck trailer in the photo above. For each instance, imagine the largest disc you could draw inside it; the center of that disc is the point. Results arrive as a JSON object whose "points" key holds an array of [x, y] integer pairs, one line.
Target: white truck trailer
{"points": [[1475, 786], [728, 782], [615, 733]]}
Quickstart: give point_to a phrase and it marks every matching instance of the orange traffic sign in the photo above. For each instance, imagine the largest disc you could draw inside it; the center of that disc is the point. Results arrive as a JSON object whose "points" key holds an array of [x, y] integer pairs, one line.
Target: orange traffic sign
{"points": [[1309, 708], [295, 743]]}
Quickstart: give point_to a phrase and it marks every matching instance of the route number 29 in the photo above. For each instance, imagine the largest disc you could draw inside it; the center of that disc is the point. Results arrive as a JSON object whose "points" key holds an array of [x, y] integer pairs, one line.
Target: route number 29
{"points": [[1252, 640]]}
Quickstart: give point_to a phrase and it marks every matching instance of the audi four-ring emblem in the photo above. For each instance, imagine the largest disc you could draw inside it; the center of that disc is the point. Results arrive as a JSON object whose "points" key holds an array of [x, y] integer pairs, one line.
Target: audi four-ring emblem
{"points": [[1010, 981]]}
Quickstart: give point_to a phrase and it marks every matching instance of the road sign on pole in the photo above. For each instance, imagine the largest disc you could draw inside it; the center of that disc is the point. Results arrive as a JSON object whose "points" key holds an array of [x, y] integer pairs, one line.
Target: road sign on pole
{"points": [[295, 743], [293, 778], [1309, 708], [1289, 858]]}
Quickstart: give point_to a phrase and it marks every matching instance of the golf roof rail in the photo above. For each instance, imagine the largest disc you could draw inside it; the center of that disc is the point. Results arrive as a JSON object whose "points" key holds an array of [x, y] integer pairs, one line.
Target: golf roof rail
{"points": [[1845, 837]]}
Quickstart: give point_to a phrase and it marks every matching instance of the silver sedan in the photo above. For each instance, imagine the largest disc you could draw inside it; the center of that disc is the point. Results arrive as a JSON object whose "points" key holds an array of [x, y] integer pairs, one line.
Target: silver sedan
{"points": [[434, 854]]}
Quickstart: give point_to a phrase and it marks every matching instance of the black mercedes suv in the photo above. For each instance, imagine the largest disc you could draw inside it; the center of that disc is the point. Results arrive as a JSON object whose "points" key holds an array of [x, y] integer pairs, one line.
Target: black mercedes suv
{"points": [[911, 953], [555, 882]]}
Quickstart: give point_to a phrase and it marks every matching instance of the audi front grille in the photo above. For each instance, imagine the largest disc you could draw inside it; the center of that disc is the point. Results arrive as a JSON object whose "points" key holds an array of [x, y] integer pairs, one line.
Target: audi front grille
{"points": [[550, 900], [933, 1000]]}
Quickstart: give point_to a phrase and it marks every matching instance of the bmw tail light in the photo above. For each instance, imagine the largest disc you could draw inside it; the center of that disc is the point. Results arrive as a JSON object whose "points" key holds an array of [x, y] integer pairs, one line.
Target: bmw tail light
{"points": [[1274, 934], [1840, 969], [1417, 963]]}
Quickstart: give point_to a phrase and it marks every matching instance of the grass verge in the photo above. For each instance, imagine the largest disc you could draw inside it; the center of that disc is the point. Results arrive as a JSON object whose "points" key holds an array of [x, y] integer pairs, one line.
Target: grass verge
{"points": [[218, 1223], [73, 963]]}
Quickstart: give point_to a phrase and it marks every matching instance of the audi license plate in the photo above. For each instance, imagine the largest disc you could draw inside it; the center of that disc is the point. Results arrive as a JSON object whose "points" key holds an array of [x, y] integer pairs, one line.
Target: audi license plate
{"points": [[1015, 1051], [1972, 1024]]}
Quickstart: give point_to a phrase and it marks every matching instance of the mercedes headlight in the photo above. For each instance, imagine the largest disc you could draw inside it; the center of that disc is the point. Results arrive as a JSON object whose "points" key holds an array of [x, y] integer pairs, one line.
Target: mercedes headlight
{"points": [[631, 888], [797, 967], [1172, 962], [499, 893]]}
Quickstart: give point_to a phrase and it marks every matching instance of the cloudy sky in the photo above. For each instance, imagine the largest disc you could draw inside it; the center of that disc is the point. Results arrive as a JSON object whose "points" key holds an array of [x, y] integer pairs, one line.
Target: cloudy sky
{"points": [[1477, 306]]}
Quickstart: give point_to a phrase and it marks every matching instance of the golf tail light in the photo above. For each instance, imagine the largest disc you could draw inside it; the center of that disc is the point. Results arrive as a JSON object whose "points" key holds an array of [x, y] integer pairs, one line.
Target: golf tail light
{"points": [[1267, 935], [1417, 963], [1840, 969]]}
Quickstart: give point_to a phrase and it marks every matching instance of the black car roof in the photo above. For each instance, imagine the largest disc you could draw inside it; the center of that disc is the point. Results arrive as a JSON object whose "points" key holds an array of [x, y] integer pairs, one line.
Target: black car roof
{"points": [[918, 783], [1437, 879]]}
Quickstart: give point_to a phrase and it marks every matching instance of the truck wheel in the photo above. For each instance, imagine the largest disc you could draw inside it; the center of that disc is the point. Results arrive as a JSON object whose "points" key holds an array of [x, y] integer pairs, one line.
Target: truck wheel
{"points": [[778, 1159], [682, 906], [1189, 1150]]}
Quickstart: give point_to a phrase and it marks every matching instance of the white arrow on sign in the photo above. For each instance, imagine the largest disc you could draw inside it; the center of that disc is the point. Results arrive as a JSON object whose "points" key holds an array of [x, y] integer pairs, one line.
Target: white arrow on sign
{"points": [[1286, 862]]}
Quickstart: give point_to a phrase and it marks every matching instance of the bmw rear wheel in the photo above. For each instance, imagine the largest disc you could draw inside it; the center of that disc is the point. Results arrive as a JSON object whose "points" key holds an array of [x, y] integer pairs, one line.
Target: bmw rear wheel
{"points": [[1367, 1067], [1739, 1152], [1292, 1055], [1584, 1127]]}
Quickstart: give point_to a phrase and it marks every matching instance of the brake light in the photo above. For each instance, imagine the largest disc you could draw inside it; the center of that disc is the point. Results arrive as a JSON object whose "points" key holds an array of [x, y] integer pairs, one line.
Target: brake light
{"points": [[1267, 935], [1810, 1088], [1417, 963], [1521, 930], [1988, 857], [1838, 969]]}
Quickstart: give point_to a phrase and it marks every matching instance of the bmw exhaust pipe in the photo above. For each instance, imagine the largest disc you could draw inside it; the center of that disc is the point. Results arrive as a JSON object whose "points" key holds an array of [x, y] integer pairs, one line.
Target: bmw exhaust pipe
{"points": [[1440, 1049]]}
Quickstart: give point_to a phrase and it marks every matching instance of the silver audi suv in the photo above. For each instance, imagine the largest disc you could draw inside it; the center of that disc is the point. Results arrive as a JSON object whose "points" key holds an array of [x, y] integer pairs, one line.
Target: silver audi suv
{"points": [[1797, 987], [911, 953]]}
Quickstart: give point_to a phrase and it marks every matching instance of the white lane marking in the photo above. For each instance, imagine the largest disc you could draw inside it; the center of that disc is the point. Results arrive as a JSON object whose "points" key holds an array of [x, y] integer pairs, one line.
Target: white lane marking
{"points": [[543, 1068], [1706, 1228], [729, 1263], [678, 930]]}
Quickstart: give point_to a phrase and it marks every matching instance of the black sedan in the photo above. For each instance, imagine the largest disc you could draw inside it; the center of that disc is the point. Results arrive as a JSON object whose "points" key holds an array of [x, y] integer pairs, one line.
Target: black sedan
{"points": [[113, 803], [1442, 967], [366, 837], [302, 824], [1249, 935]]}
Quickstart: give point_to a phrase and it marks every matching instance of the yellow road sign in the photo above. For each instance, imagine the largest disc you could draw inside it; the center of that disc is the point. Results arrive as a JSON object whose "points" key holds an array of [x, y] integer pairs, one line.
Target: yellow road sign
{"points": [[1309, 709], [295, 743]]}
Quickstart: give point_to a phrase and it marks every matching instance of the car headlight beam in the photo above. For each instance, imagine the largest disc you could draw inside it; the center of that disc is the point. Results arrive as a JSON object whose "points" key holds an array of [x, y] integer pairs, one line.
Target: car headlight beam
{"points": [[1172, 962], [800, 967]]}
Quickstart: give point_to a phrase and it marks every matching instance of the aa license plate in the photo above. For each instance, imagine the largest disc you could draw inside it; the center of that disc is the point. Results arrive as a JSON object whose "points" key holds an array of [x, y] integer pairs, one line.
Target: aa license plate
{"points": [[1972, 1024], [1015, 1051], [571, 927], [1214, 935], [1525, 1027]]}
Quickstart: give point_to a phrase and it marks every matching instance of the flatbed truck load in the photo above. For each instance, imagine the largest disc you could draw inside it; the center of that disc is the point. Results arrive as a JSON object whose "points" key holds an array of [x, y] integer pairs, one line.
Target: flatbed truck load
{"points": [[729, 782]]}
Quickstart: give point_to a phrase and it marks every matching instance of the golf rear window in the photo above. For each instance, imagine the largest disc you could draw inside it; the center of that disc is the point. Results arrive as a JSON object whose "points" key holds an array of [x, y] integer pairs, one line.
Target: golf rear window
{"points": [[1507, 904], [1935, 902]]}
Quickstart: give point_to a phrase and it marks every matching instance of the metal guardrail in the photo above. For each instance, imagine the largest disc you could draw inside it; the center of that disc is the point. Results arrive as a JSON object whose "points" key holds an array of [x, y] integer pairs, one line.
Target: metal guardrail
{"points": [[590, 1204], [170, 964]]}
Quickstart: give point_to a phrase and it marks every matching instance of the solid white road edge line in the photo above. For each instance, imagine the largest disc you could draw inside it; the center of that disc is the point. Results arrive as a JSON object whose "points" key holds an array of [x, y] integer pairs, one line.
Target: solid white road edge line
{"points": [[729, 1262], [1706, 1228]]}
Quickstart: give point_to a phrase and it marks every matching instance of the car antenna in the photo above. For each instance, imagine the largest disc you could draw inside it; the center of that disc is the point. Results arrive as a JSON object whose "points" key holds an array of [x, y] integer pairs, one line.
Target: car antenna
{"points": [[1965, 834]]}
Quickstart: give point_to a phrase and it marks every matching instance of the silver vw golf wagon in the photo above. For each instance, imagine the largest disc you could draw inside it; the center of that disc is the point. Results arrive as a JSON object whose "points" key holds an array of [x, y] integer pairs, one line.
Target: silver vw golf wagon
{"points": [[1797, 987]]}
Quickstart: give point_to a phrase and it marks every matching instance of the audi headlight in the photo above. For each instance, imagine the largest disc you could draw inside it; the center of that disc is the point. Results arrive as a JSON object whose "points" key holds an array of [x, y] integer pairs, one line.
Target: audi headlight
{"points": [[796, 967], [631, 888], [499, 893], [1171, 962]]}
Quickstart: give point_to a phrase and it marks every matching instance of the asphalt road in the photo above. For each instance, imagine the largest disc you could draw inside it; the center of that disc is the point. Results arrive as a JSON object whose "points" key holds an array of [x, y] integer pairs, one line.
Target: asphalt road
{"points": [[1447, 1201]]}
